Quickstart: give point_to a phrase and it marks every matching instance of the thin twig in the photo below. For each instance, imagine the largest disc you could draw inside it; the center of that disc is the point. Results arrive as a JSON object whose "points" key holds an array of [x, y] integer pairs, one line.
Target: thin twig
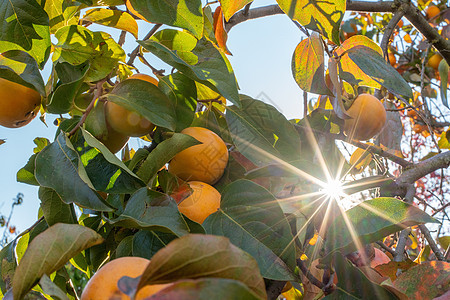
{"points": [[388, 32], [308, 275], [97, 94], [431, 242], [388, 249], [135, 52]]}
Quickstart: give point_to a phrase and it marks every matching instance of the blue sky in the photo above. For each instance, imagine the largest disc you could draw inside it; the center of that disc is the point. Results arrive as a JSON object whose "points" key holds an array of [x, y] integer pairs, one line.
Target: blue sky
{"points": [[262, 51]]}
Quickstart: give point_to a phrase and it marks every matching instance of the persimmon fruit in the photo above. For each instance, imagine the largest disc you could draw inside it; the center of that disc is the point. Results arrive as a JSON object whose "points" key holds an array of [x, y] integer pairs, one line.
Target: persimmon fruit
{"points": [[129, 122], [432, 11], [434, 61], [104, 284], [18, 104], [392, 59], [368, 118], [205, 162], [203, 201]]}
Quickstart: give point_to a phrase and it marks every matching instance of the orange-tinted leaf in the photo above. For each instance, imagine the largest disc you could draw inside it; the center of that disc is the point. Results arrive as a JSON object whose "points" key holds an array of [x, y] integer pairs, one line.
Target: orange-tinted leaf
{"points": [[425, 281], [230, 7], [219, 30], [308, 65], [359, 160], [390, 269], [12, 229], [349, 67], [2, 141], [322, 16]]}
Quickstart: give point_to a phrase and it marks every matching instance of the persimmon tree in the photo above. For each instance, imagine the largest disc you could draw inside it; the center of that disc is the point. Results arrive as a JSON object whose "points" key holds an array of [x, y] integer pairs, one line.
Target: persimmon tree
{"points": [[307, 209]]}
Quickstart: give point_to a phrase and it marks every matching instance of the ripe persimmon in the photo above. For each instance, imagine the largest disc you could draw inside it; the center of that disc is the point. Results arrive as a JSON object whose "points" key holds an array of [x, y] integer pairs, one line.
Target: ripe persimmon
{"points": [[18, 104], [203, 201], [104, 284], [128, 122], [432, 11], [368, 118], [205, 162], [434, 61]]}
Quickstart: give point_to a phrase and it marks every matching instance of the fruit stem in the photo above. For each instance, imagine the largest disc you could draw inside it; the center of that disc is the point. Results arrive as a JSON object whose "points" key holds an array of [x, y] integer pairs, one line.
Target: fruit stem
{"points": [[98, 92]]}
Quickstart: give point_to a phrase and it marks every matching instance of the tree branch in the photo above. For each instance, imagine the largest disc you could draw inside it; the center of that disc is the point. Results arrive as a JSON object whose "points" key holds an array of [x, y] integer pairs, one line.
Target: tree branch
{"points": [[136, 50], [439, 161], [388, 32]]}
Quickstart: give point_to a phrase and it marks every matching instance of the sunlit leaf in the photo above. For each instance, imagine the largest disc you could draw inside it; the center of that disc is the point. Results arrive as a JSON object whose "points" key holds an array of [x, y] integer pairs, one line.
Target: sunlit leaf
{"points": [[59, 167], [201, 256], [200, 61], [349, 71], [185, 14], [206, 289], [375, 66], [61, 13], [425, 281], [444, 141], [371, 221], [230, 7], [20, 67], [113, 18], [49, 251], [77, 45], [252, 219], [219, 30], [308, 65], [392, 268], [19, 19], [261, 133], [322, 16]]}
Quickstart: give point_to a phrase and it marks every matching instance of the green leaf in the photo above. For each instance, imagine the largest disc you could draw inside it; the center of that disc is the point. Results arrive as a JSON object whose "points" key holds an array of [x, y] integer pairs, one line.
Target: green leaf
{"points": [[206, 289], [71, 85], [371, 221], [308, 66], [77, 45], [230, 7], [444, 142], [427, 280], [8, 266], [146, 99], [151, 210], [200, 61], [353, 284], [261, 133], [49, 251], [374, 65], [61, 13], [252, 219], [20, 67], [147, 243], [443, 73], [26, 174], [322, 16], [348, 69], [182, 91], [59, 167], [163, 153], [54, 209], [198, 256], [106, 172], [186, 14], [51, 289], [19, 19], [113, 18]]}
